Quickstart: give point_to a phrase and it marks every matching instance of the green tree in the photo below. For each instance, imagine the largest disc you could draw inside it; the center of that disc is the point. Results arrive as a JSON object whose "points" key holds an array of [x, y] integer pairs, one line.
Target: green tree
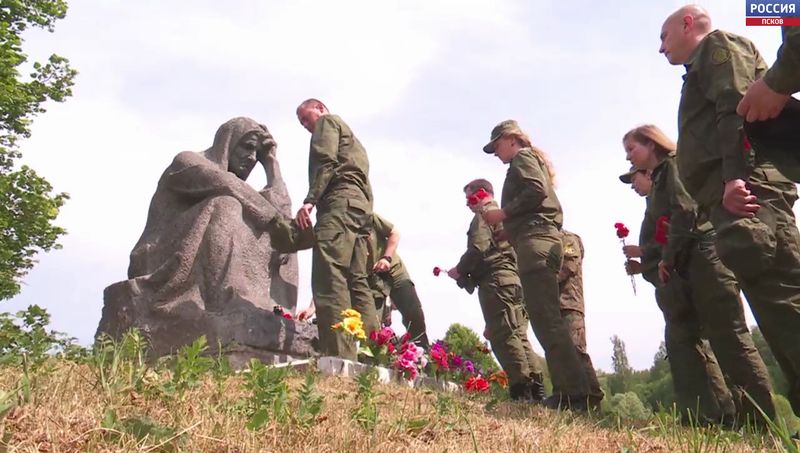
{"points": [[28, 207], [465, 342], [620, 381], [627, 406]]}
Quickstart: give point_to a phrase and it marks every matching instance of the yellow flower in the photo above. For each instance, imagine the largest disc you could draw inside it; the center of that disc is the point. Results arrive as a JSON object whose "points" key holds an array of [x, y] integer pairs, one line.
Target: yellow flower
{"points": [[360, 334], [352, 325], [350, 313]]}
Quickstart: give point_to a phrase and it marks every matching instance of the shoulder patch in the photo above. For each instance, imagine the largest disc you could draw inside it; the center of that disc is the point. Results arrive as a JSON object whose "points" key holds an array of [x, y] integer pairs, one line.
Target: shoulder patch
{"points": [[569, 250], [720, 55]]}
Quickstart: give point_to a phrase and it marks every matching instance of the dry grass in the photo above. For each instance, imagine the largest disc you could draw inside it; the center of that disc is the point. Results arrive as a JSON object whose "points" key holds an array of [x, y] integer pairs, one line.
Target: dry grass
{"points": [[66, 413]]}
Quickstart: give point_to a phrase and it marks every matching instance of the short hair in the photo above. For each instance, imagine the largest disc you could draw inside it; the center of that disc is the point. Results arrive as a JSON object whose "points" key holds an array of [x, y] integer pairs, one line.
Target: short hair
{"points": [[478, 184], [312, 102]]}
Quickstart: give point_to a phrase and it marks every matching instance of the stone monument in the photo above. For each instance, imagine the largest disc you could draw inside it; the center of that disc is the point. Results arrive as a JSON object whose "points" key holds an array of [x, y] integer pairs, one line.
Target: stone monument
{"points": [[204, 264]]}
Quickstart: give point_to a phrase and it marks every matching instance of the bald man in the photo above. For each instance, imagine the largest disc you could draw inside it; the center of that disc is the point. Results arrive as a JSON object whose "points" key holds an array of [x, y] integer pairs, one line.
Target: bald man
{"points": [[748, 201]]}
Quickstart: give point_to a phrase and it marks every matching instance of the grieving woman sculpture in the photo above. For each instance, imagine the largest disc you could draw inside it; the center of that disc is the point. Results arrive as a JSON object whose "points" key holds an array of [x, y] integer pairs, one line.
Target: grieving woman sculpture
{"points": [[204, 264]]}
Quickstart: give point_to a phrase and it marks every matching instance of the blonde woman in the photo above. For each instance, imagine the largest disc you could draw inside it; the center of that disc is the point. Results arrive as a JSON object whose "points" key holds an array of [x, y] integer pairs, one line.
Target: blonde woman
{"points": [[532, 218], [689, 260]]}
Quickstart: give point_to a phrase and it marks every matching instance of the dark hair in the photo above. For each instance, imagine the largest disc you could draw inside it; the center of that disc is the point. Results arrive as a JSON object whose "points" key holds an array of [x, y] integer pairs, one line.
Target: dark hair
{"points": [[477, 184]]}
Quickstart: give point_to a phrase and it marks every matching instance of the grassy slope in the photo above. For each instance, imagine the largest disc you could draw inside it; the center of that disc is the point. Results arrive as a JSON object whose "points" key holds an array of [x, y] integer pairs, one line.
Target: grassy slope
{"points": [[67, 407]]}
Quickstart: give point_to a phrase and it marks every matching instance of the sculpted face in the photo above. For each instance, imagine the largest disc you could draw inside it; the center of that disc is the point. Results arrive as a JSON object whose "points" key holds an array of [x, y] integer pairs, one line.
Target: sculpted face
{"points": [[243, 157]]}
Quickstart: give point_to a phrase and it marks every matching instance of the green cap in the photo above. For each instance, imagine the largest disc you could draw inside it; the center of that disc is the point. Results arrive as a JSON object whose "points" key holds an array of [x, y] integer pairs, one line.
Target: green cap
{"points": [[501, 129], [627, 178]]}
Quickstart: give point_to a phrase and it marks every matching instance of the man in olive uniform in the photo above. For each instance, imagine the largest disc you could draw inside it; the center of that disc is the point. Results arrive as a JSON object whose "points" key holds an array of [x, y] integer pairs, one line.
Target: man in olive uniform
{"points": [[748, 201], [570, 283], [701, 393], [339, 188], [491, 265], [397, 284], [389, 277], [768, 95]]}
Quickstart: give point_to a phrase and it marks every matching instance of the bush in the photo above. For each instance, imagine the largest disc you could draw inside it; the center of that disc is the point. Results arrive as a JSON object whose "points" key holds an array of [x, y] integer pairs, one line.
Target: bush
{"points": [[627, 406]]}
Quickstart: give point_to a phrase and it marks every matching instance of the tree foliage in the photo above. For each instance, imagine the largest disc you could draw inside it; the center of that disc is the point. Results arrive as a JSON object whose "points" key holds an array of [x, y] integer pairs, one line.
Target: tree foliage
{"points": [[28, 207]]}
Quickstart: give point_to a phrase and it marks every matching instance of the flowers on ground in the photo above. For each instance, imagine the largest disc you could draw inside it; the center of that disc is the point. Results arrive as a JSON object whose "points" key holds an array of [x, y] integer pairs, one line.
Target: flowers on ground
{"points": [[352, 324], [476, 384], [500, 378]]}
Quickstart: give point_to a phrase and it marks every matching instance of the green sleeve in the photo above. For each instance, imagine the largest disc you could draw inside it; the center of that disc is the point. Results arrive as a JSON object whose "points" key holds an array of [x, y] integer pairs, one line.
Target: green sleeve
{"points": [[479, 240], [383, 228], [322, 160], [529, 171], [724, 80], [683, 215], [784, 75]]}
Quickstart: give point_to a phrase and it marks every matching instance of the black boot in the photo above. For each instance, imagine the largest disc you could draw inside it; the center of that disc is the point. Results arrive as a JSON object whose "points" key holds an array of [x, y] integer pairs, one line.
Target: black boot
{"points": [[519, 392], [564, 402], [536, 390]]}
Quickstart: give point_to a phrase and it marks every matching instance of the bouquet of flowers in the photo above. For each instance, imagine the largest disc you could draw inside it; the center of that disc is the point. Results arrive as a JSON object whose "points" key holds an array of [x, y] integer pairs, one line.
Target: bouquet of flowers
{"points": [[622, 233], [380, 346], [351, 324], [474, 199], [411, 359], [476, 384]]}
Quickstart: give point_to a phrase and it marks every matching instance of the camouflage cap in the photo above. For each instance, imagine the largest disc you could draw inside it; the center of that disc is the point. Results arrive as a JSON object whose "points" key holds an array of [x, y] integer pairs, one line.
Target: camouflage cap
{"points": [[627, 178], [501, 129]]}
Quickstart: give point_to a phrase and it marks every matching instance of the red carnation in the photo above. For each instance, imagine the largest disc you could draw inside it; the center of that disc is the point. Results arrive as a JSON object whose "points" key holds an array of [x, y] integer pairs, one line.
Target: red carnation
{"points": [[662, 224], [287, 316], [746, 142], [476, 197], [622, 230], [437, 271]]}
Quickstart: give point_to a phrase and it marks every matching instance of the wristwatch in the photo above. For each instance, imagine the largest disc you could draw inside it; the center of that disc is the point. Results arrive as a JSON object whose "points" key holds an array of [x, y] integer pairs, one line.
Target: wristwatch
{"points": [[387, 258]]}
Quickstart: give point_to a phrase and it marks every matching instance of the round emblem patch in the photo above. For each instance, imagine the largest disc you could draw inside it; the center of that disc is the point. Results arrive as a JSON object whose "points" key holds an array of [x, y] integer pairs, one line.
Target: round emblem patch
{"points": [[720, 55]]}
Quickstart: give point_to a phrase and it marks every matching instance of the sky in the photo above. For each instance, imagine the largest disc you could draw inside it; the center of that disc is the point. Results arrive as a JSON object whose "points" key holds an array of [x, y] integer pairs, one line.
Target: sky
{"points": [[421, 83]]}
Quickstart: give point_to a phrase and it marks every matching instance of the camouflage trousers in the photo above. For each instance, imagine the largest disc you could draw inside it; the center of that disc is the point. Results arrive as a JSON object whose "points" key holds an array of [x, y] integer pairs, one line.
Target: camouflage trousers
{"points": [[764, 255], [500, 296], [404, 296], [700, 389], [576, 323], [539, 255], [339, 274]]}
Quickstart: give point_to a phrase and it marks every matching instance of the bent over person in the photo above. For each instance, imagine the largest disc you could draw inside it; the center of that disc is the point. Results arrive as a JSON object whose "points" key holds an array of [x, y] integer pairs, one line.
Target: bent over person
{"points": [[339, 189]]}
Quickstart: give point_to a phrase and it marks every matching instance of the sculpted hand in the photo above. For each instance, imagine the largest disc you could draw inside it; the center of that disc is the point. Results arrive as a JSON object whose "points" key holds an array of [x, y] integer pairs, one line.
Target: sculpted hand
{"points": [[494, 216], [761, 103], [304, 216], [381, 266], [632, 251], [633, 267], [267, 152], [738, 200], [454, 274], [664, 271]]}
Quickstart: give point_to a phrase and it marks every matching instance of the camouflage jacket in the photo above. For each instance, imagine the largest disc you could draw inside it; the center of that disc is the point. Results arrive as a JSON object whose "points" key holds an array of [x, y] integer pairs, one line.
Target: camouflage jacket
{"points": [[338, 167], [528, 195], [784, 75], [485, 257], [570, 278], [711, 148], [669, 199]]}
